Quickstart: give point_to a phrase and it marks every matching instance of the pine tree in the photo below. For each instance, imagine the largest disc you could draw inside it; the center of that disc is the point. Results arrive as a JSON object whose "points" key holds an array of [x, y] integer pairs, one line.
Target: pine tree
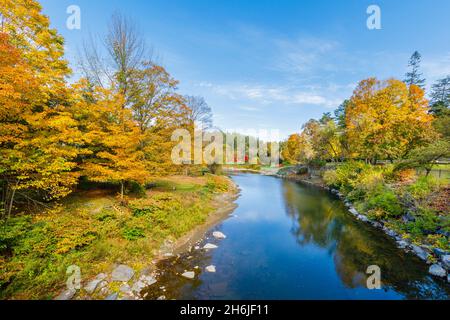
{"points": [[415, 76]]}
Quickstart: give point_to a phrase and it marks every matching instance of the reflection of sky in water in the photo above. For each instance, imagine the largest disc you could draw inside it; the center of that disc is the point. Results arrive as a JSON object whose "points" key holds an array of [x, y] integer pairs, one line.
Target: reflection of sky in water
{"points": [[289, 241]]}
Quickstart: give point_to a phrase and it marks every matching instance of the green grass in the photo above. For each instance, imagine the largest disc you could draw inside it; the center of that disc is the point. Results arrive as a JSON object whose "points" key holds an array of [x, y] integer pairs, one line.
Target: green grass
{"points": [[92, 231]]}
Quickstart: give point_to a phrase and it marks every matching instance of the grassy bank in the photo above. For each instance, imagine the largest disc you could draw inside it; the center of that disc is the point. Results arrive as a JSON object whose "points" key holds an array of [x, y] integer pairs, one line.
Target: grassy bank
{"points": [[414, 205], [92, 230]]}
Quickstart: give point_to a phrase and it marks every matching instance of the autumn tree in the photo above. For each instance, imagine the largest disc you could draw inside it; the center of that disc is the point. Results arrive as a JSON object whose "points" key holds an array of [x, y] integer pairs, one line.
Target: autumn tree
{"points": [[38, 137], [112, 139], [386, 120]]}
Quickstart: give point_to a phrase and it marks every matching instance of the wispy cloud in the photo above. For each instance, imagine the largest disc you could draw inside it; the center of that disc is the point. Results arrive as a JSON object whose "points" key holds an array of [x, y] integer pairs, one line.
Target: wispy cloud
{"points": [[266, 95]]}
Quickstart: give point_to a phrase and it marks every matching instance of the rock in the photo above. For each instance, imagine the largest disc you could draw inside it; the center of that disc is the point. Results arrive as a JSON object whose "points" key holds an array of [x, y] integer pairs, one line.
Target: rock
{"points": [[422, 254], [219, 235], [189, 275], [104, 291], [437, 270], [143, 282], [122, 273], [353, 211], [440, 252], [66, 294], [390, 232], [148, 280], [125, 288], [92, 285], [211, 269], [446, 261], [210, 246], [363, 218], [161, 298], [196, 247], [402, 244], [112, 296], [377, 225]]}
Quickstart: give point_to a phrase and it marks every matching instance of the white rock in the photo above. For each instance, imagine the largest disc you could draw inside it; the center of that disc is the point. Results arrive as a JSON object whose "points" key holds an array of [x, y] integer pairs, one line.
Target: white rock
{"points": [[402, 244], [66, 294], [437, 270], [219, 235], [92, 285], [354, 212], [421, 253], [122, 273], [210, 246], [189, 275], [161, 298], [446, 261], [211, 269]]}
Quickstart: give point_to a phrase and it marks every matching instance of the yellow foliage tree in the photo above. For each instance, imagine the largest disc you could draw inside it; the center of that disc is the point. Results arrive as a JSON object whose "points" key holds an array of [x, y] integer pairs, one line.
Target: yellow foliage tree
{"points": [[386, 119]]}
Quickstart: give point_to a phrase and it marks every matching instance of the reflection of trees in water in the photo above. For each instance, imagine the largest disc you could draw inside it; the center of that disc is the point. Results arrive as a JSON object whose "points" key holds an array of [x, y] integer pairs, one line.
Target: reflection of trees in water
{"points": [[320, 220]]}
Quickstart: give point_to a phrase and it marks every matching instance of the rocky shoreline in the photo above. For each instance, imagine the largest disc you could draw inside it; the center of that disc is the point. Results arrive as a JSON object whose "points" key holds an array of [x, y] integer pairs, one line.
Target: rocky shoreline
{"points": [[439, 260], [125, 283]]}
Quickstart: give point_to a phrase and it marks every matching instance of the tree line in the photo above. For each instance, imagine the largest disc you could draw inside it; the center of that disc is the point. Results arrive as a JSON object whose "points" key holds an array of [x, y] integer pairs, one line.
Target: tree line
{"points": [[390, 120]]}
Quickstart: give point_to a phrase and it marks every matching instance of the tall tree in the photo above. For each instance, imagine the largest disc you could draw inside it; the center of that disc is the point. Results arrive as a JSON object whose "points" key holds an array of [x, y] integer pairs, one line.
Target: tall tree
{"points": [[200, 111], [112, 138], [414, 76], [440, 97], [39, 139], [385, 120]]}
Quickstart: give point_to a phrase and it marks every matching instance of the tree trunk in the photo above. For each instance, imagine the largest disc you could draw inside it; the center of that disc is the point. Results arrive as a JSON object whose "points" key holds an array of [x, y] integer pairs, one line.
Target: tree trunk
{"points": [[121, 191], [11, 200]]}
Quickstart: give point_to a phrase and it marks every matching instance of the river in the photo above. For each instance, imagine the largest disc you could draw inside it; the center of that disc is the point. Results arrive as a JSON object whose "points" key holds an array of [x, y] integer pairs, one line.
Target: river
{"points": [[286, 240]]}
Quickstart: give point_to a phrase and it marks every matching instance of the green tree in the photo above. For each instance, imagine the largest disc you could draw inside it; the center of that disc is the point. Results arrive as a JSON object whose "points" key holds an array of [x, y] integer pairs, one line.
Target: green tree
{"points": [[414, 76]]}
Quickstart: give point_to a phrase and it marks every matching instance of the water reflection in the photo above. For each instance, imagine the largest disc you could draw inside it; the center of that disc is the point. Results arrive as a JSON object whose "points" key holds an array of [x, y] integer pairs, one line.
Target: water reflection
{"points": [[320, 219], [291, 241]]}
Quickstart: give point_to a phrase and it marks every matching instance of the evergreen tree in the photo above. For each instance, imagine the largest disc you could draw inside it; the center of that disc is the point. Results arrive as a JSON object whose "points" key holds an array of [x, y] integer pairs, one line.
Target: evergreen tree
{"points": [[414, 76]]}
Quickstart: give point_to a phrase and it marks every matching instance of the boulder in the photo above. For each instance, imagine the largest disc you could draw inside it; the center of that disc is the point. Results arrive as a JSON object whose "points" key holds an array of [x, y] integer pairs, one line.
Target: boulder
{"points": [[440, 252], [66, 294], [210, 246], [143, 282], [437, 270], [122, 273], [112, 296], [402, 244], [189, 275], [126, 289], [421, 253], [92, 285], [446, 261], [211, 269], [363, 218], [219, 235]]}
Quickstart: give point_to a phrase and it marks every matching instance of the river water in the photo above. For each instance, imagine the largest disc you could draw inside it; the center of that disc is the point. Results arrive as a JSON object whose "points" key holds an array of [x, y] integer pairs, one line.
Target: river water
{"points": [[290, 241]]}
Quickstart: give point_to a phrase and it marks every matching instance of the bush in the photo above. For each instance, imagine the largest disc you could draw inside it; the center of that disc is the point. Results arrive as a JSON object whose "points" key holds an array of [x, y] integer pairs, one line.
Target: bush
{"points": [[133, 233], [422, 187], [426, 222], [386, 200]]}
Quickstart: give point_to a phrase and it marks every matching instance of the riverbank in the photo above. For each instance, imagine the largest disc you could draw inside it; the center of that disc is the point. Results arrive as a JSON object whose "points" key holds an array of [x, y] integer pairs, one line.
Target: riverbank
{"points": [[114, 247], [409, 226]]}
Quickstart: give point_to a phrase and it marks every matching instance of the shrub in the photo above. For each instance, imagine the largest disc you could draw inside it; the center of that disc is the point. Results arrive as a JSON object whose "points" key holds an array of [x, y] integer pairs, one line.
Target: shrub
{"points": [[425, 223], [386, 200], [422, 187], [133, 233]]}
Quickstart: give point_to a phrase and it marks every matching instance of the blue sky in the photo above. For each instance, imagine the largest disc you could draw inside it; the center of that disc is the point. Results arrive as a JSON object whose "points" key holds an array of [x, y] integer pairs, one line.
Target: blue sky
{"points": [[273, 64]]}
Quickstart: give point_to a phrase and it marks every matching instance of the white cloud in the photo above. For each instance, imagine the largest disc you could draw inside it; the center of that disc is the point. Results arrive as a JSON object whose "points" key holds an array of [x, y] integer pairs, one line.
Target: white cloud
{"points": [[265, 95]]}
